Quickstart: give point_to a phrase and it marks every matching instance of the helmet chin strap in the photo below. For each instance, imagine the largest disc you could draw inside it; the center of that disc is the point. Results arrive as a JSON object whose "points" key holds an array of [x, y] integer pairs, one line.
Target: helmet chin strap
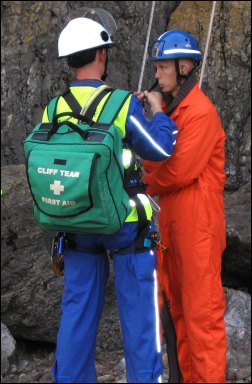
{"points": [[180, 77]]}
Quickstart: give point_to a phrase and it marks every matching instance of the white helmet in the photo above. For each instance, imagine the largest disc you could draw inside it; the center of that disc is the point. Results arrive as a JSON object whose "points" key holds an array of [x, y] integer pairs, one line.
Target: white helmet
{"points": [[82, 34]]}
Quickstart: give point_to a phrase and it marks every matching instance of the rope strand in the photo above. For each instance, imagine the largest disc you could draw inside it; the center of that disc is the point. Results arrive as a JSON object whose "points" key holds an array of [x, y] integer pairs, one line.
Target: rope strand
{"points": [[207, 43], [146, 46]]}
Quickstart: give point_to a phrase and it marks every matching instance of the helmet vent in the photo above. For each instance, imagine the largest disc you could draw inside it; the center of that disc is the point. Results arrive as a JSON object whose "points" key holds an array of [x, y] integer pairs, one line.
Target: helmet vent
{"points": [[104, 36]]}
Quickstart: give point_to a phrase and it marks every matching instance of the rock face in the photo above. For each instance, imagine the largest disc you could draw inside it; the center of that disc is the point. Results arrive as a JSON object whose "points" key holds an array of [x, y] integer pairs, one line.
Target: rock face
{"points": [[32, 75], [237, 256], [28, 285]]}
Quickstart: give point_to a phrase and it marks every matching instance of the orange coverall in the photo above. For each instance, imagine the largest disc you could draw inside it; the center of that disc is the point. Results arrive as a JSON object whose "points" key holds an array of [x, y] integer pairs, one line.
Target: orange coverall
{"points": [[190, 187]]}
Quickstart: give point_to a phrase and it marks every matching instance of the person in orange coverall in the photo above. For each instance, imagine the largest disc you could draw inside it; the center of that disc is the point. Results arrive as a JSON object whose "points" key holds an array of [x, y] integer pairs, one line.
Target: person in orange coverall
{"points": [[190, 187]]}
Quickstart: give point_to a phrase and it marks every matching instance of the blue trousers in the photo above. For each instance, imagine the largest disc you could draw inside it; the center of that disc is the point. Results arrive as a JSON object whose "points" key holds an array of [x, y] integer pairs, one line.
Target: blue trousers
{"points": [[85, 279]]}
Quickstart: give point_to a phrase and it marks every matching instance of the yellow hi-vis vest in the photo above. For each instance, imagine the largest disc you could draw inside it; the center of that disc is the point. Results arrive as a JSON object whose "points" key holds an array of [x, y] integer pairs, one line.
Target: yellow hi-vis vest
{"points": [[85, 99]]}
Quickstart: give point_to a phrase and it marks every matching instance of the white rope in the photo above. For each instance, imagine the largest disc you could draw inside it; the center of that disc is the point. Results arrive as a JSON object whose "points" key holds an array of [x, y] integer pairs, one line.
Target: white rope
{"points": [[146, 47], [207, 44]]}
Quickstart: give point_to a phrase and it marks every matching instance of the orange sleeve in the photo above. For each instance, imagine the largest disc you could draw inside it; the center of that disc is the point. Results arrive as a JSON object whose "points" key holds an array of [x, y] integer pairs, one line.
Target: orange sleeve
{"points": [[150, 166], [195, 143]]}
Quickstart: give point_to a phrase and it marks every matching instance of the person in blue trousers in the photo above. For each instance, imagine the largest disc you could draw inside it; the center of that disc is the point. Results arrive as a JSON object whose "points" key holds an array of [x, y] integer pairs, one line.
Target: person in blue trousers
{"points": [[85, 43]]}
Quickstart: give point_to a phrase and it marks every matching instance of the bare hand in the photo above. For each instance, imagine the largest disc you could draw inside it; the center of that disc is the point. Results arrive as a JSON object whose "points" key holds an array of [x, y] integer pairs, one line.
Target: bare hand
{"points": [[154, 99], [140, 96]]}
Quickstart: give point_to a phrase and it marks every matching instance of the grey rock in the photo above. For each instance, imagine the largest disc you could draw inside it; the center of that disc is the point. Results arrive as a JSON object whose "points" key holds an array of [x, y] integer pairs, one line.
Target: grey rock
{"points": [[120, 366], [237, 255], [105, 379], [23, 366], [238, 328], [7, 347], [123, 380]]}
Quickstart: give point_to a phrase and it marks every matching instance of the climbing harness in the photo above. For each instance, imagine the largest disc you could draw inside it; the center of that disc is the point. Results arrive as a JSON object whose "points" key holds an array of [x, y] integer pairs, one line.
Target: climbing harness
{"points": [[57, 255], [146, 47], [207, 44]]}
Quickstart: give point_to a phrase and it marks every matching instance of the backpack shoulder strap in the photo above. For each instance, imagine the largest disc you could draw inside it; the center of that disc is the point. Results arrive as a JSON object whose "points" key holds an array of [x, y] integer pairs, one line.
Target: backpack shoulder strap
{"points": [[113, 105], [51, 108], [72, 101], [92, 108], [109, 112], [89, 110]]}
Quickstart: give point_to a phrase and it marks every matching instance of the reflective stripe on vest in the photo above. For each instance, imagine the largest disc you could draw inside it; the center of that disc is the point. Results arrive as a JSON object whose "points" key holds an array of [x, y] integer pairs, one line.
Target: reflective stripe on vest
{"points": [[133, 216]]}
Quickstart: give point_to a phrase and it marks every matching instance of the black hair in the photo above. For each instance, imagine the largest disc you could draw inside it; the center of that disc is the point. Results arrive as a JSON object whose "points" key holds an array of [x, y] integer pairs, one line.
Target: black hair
{"points": [[79, 59]]}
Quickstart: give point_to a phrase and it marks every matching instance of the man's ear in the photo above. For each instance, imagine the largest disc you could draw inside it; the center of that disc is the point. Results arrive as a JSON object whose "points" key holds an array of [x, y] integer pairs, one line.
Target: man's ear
{"points": [[185, 66], [184, 69], [101, 54]]}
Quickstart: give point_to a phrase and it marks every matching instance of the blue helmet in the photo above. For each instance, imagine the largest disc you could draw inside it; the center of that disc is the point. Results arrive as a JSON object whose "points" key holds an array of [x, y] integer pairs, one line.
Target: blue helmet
{"points": [[175, 45]]}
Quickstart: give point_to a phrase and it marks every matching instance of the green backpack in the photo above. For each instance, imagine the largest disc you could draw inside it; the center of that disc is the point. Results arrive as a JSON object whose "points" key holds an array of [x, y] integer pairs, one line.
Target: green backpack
{"points": [[75, 171]]}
